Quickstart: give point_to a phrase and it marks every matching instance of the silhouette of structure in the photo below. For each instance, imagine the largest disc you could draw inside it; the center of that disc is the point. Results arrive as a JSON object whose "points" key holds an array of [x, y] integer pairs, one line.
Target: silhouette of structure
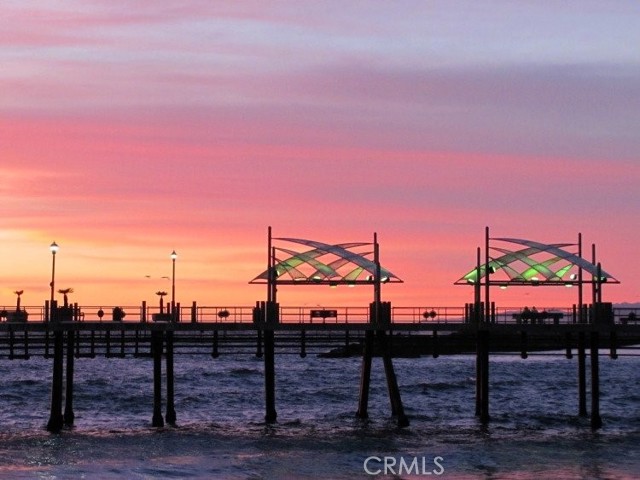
{"points": [[533, 264], [330, 264]]}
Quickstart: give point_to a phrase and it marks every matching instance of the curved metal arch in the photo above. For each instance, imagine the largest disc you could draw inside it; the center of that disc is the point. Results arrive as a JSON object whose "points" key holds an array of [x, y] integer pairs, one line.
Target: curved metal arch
{"points": [[341, 257], [542, 267]]}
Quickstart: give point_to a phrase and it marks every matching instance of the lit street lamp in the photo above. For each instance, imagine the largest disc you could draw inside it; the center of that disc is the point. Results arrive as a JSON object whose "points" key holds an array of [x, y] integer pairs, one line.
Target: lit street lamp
{"points": [[174, 255], [54, 249]]}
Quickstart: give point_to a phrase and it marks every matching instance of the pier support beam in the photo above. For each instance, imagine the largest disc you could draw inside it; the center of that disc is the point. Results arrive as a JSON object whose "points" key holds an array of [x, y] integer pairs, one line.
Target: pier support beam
{"points": [[582, 376], [365, 375], [56, 420], [156, 350], [270, 377], [69, 416], [596, 421], [482, 375], [171, 410], [397, 408]]}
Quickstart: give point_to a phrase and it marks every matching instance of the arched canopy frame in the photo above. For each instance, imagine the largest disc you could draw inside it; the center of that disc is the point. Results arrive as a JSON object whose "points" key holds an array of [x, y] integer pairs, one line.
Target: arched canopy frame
{"points": [[351, 263], [520, 262]]}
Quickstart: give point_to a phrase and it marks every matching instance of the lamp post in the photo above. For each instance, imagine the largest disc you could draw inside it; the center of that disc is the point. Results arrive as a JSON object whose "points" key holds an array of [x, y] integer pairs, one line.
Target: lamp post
{"points": [[54, 249], [174, 255]]}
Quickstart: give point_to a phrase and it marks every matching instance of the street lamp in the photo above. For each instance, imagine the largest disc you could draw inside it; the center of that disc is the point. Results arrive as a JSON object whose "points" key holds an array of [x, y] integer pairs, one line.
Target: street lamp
{"points": [[174, 255], [54, 249]]}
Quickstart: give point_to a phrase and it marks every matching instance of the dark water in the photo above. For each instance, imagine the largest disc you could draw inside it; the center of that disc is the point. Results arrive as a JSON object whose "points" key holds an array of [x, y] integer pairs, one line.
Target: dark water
{"points": [[534, 432]]}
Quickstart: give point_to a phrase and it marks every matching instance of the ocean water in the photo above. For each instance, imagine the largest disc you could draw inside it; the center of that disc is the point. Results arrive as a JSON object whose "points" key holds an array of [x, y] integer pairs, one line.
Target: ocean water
{"points": [[534, 431]]}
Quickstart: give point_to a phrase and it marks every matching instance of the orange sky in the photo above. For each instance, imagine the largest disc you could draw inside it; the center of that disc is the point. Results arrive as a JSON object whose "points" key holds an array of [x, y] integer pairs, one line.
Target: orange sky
{"points": [[128, 133]]}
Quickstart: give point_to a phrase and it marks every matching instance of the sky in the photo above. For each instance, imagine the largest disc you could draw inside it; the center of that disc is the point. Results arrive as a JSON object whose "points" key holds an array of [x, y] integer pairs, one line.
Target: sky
{"points": [[131, 129]]}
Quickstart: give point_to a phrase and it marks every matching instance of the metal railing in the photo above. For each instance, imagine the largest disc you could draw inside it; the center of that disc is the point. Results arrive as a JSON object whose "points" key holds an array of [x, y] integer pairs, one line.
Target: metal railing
{"points": [[325, 314]]}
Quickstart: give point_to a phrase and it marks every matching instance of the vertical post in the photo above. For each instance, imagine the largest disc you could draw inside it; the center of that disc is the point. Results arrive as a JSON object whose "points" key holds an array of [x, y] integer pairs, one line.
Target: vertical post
{"points": [[12, 339], [269, 375], [194, 312], [143, 313], [487, 272], [303, 344], [271, 318], [171, 411], [69, 416], [367, 353], [214, 348], [580, 282], [596, 421], [582, 376], [397, 408], [56, 420], [156, 349], [436, 349], [484, 409], [365, 375], [174, 255], [477, 316]]}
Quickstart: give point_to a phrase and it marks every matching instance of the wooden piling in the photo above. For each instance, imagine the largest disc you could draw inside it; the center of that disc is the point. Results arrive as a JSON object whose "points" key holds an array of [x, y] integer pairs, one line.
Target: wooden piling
{"points": [[271, 310], [365, 375], [171, 411], [11, 341], [523, 345], [582, 376], [303, 346], [596, 421], [69, 416], [270, 376], [107, 339], [613, 345], [482, 374], [397, 408], [567, 342], [214, 350], [56, 420], [26, 344], [156, 348], [436, 348]]}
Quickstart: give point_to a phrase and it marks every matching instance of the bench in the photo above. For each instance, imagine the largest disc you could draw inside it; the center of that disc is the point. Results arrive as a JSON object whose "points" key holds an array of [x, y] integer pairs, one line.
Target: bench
{"points": [[323, 314], [538, 317]]}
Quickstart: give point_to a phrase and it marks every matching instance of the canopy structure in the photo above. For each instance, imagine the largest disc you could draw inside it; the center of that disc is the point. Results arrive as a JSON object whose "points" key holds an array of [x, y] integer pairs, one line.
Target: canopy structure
{"points": [[323, 263], [514, 261]]}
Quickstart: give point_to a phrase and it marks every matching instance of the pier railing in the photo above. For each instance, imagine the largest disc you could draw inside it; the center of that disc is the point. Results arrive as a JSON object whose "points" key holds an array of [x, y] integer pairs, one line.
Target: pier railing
{"points": [[325, 314]]}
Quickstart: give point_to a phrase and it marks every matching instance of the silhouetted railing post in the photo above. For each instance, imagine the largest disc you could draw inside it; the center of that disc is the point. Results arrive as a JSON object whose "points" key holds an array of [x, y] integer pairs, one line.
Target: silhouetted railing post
{"points": [[194, 312]]}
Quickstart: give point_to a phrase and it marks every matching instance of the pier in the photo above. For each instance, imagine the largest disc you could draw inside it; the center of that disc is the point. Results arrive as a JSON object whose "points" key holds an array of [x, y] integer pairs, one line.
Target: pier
{"points": [[268, 329], [342, 331]]}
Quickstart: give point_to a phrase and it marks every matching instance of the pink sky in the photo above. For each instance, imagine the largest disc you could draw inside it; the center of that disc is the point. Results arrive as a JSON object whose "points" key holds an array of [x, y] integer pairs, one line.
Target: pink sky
{"points": [[129, 129]]}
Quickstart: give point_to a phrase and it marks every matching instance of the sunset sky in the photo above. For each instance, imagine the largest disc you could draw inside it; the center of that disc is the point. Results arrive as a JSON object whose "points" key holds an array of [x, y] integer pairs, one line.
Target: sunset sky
{"points": [[130, 129]]}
